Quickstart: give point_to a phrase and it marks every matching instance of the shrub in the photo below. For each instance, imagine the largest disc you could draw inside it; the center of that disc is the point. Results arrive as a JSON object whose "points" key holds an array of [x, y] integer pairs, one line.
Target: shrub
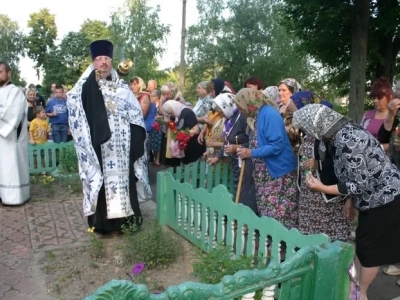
{"points": [[211, 267], [68, 161], [151, 245]]}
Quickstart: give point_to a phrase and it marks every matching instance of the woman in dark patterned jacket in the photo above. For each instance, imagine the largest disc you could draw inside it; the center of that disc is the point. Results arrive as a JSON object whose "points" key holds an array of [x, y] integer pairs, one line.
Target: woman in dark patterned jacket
{"points": [[366, 174]]}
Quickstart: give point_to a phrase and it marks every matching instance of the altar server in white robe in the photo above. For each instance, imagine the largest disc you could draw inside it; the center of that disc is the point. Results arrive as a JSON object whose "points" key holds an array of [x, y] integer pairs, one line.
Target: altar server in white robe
{"points": [[14, 166]]}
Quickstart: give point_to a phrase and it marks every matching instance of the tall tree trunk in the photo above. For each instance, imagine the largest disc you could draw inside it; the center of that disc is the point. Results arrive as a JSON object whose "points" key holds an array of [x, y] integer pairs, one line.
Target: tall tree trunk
{"points": [[388, 50], [182, 65], [358, 59], [388, 42]]}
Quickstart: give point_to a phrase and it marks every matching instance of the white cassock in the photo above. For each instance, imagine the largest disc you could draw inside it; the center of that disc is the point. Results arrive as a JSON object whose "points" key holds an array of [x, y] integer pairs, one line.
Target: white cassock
{"points": [[14, 165]]}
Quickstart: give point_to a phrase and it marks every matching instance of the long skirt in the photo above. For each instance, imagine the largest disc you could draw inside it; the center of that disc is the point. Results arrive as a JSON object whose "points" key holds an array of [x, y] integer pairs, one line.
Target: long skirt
{"points": [[317, 216], [276, 198], [378, 235]]}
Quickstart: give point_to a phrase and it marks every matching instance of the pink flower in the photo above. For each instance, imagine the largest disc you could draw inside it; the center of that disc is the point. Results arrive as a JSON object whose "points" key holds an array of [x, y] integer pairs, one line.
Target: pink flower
{"points": [[137, 269]]}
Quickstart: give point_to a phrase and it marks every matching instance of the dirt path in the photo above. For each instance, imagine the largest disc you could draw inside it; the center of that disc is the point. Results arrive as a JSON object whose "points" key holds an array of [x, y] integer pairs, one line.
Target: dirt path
{"points": [[44, 250]]}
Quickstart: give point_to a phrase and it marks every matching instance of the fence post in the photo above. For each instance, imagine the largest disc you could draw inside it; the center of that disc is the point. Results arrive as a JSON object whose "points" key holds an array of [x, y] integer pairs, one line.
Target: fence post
{"points": [[161, 198], [332, 281]]}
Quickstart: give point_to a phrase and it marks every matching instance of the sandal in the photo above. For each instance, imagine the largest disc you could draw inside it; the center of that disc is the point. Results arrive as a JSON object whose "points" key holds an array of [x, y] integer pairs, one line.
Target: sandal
{"points": [[391, 270]]}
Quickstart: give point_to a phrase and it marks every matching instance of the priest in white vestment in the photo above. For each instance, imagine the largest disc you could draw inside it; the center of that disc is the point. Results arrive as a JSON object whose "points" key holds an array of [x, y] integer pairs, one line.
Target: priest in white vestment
{"points": [[107, 126], [14, 165]]}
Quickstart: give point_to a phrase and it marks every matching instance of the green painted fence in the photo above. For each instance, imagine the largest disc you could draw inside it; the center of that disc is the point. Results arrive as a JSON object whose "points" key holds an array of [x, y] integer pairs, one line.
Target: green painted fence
{"points": [[193, 202], [312, 273], [44, 158]]}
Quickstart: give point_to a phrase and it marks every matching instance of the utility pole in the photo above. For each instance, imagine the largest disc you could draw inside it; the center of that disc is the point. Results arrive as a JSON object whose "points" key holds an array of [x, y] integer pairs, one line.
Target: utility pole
{"points": [[182, 65]]}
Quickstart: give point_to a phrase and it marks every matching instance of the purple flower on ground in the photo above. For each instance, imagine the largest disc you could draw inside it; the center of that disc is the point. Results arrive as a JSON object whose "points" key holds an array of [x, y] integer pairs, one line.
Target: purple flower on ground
{"points": [[137, 269]]}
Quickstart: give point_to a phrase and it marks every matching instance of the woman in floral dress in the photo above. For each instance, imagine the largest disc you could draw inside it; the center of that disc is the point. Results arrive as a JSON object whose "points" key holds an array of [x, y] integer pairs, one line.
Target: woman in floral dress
{"points": [[316, 214], [273, 158]]}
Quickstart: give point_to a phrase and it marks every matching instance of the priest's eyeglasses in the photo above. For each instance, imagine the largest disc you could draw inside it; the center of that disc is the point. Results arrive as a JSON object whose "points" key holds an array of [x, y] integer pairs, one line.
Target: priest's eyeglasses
{"points": [[103, 58]]}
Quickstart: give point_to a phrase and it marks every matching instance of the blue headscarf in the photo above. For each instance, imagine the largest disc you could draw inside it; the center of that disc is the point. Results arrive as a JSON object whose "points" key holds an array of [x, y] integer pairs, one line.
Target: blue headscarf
{"points": [[302, 98], [219, 85]]}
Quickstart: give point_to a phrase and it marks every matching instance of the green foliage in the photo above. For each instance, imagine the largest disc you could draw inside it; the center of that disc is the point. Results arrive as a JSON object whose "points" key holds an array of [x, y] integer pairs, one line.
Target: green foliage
{"points": [[12, 46], [68, 161], [95, 30], [324, 29], [72, 57], [237, 39], [71, 182], [152, 245], [211, 267], [41, 38], [137, 34], [96, 245]]}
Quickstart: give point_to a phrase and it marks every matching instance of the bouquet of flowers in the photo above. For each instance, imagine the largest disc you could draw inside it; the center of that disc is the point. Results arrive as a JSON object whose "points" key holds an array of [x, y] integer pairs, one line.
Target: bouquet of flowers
{"points": [[179, 140], [182, 137], [158, 124]]}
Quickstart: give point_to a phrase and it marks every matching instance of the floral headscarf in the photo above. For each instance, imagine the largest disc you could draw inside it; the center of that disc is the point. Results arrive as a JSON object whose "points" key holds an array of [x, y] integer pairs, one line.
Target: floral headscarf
{"points": [[250, 101], [141, 84], [291, 82], [225, 103], [301, 99], [272, 92], [319, 120]]}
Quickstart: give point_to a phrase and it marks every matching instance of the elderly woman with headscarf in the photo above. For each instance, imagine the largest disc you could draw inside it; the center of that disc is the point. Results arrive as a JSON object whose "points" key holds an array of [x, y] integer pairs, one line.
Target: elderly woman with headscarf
{"points": [[366, 174], [217, 86], [319, 212], [272, 92], [274, 161], [185, 120], [235, 136], [204, 102], [170, 92], [149, 109], [138, 87]]}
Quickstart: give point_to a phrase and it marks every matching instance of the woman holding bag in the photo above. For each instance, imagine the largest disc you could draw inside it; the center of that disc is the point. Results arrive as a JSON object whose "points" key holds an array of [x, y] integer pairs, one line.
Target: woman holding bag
{"points": [[185, 120]]}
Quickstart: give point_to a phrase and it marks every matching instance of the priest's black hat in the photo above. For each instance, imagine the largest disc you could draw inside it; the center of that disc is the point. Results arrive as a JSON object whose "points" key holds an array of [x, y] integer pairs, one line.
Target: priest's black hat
{"points": [[101, 48]]}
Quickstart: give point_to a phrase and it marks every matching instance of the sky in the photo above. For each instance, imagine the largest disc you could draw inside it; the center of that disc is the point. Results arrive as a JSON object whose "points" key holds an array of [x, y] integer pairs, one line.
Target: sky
{"points": [[70, 14]]}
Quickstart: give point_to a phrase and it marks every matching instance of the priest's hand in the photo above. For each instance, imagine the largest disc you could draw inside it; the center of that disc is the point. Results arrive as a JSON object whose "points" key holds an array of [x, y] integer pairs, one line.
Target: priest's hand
{"points": [[32, 142]]}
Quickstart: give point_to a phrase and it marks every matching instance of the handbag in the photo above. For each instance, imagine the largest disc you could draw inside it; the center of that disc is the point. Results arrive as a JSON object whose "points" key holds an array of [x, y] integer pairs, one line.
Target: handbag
{"points": [[175, 151]]}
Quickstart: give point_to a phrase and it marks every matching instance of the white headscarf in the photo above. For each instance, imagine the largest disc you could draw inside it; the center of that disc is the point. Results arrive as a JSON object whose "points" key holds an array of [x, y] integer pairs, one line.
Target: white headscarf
{"points": [[225, 102], [172, 107]]}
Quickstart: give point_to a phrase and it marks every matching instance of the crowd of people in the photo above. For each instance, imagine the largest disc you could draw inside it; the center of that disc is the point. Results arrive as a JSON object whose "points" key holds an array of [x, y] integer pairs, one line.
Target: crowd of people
{"points": [[304, 164]]}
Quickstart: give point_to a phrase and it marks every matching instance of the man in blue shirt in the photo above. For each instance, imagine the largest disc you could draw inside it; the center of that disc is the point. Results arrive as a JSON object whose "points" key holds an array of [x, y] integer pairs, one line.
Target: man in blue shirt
{"points": [[56, 110]]}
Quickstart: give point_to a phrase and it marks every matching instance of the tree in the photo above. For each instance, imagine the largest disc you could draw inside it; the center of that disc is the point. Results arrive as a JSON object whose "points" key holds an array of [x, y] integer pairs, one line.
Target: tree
{"points": [[41, 38], [358, 59], [138, 34], [95, 30], [70, 59], [236, 39], [12, 46], [325, 27]]}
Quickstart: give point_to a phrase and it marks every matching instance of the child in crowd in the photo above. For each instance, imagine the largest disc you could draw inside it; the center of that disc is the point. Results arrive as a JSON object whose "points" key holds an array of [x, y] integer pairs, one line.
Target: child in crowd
{"points": [[39, 127]]}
